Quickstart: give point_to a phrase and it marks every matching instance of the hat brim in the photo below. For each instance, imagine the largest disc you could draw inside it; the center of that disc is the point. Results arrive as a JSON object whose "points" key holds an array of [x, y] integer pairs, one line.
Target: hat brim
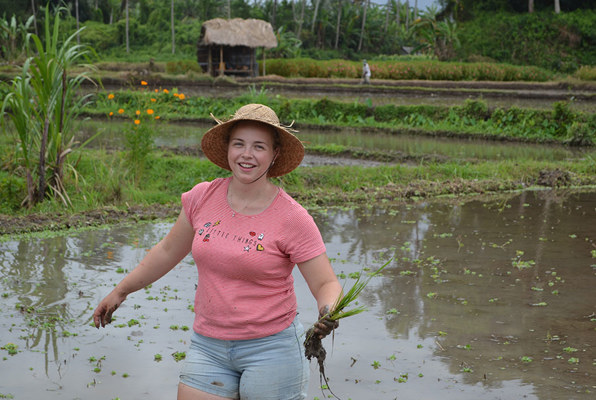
{"points": [[215, 147]]}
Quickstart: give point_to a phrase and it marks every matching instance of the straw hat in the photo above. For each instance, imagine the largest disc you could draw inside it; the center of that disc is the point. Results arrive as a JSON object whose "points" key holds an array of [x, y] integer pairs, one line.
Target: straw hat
{"points": [[215, 140]]}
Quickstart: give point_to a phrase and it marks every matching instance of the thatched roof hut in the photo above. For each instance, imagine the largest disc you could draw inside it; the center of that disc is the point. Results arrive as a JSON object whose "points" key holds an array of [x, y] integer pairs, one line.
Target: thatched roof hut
{"points": [[229, 46]]}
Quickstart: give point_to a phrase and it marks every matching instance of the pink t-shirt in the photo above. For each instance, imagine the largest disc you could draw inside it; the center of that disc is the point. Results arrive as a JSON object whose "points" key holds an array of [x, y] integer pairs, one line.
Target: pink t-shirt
{"points": [[245, 262]]}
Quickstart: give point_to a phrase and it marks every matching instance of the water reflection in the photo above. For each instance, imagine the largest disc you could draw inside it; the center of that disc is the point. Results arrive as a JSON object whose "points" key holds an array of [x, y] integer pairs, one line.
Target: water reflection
{"points": [[190, 134], [484, 298]]}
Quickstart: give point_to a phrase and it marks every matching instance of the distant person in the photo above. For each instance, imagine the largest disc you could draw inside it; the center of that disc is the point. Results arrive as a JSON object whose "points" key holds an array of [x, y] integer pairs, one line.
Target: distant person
{"points": [[246, 236], [365, 72]]}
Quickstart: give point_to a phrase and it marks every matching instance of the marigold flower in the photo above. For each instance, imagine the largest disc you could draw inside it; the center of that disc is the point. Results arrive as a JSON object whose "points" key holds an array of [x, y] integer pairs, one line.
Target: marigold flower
{"points": [[137, 121], [149, 111], [166, 91], [121, 111], [156, 90], [110, 96], [176, 95], [111, 113], [157, 117], [181, 96], [138, 112], [143, 83], [153, 100]]}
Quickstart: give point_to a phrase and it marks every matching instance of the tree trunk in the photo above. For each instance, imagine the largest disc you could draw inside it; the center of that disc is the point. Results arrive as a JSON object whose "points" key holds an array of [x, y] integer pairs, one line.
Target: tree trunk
{"points": [[273, 14], [366, 2], [557, 6], [415, 9], [397, 10], [34, 17], [173, 31], [300, 20], [127, 43], [314, 17], [229, 9], [337, 28], [530, 6], [407, 14], [77, 17], [386, 16]]}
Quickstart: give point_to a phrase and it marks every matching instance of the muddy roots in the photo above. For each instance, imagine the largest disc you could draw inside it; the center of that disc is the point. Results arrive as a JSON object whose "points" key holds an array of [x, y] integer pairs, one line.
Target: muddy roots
{"points": [[313, 347]]}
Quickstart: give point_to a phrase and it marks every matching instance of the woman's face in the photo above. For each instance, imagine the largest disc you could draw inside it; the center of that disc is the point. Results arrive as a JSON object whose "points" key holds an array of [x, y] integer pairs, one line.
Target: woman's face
{"points": [[250, 151]]}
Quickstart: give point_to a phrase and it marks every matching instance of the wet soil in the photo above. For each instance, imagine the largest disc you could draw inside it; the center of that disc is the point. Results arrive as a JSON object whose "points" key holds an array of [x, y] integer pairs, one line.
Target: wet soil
{"points": [[413, 191], [585, 91]]}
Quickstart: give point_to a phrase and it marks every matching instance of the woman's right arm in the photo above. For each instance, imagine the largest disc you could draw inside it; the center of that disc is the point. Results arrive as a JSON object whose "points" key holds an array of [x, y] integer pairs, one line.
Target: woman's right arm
{"points": [[160, 260]]}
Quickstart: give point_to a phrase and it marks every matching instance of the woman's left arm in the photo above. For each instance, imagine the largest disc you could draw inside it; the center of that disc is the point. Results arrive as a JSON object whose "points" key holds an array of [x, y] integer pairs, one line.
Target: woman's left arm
{"points": [[324, 286]]}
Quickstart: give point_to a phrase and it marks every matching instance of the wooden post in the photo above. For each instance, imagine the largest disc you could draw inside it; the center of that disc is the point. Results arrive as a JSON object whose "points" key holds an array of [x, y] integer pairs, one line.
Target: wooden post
{"points": [[221, 62], [264, 66], [209, 62]]}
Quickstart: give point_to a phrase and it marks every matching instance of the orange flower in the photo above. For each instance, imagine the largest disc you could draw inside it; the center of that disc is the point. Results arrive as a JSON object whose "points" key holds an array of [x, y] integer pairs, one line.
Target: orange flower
{"points": [[166, 91], [181, 96], [110, 96], [111, 113], [153, 100], [137, 121], [138, 112], [143, 83], [157, 117], [121, 111], [176, 95], [156, 90], [149, 111]]}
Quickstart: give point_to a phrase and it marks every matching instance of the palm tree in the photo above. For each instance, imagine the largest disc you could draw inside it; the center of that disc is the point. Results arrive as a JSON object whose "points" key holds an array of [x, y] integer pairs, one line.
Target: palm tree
{"points": [[126, 9], [173, 31], [337, 28], [557, 6], [314, 16], [530, 6], [366, 3]]}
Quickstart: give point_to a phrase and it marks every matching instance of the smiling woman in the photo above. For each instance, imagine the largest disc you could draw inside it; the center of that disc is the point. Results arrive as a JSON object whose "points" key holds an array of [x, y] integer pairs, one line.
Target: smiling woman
{"points": [[246, 235]]}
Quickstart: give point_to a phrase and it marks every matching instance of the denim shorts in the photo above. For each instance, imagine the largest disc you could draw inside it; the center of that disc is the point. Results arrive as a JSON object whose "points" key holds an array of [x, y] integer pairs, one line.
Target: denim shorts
{"points": [[269, 368]]}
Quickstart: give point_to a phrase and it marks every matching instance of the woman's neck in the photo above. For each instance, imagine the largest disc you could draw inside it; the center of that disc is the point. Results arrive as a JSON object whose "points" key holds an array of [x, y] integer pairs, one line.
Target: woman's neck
{"points": [[251, 198]]}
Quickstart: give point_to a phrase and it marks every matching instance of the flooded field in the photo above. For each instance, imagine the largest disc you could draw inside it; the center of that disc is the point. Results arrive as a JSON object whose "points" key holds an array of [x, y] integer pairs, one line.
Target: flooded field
{"points": [[190, 134], [484, 298]]}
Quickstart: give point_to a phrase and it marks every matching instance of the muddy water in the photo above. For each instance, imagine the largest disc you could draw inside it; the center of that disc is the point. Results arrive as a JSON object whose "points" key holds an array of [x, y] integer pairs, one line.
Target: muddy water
{"points": [[190, 134], [485, 298]]}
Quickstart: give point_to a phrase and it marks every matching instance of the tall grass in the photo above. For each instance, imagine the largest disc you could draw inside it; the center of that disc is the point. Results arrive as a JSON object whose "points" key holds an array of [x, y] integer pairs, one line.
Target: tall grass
{"points": [[403, 70], [43, 106]]}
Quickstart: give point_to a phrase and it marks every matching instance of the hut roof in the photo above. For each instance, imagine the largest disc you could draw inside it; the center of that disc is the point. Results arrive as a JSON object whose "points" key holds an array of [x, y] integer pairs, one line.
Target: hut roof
{"points": [[238, 32]]}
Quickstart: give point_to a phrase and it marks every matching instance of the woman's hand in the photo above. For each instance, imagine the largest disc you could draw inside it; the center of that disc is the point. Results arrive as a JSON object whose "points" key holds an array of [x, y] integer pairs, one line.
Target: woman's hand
{"points": [[325, 325], [103, 313]]}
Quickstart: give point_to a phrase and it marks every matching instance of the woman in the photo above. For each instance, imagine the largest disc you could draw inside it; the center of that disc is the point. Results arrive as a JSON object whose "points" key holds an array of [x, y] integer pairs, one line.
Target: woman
{"points": [[246, 235]]}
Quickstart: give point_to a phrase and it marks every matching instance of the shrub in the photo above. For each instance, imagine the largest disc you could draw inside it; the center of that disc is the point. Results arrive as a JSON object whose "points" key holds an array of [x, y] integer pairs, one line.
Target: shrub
{"points": [[586, 73], [12, 191]]}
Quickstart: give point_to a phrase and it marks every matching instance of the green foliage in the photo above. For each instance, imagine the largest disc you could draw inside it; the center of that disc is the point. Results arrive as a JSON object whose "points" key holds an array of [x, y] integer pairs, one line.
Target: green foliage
{"points": [[12, 190], [586, 73], [560, 42], [99, 36], [42, 103], [182, 67], [13, 37], [562, 116]]}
